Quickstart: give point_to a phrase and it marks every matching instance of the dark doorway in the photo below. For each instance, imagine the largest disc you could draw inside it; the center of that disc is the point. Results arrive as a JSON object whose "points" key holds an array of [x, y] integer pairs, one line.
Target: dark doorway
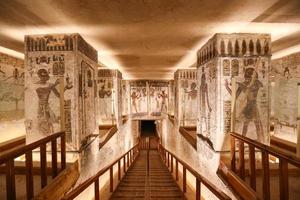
{"points": [[148, 128]]}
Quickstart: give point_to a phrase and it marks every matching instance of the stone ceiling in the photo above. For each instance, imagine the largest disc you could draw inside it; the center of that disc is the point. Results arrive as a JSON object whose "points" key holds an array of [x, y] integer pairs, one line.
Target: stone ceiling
{"points": [[150, 39]]}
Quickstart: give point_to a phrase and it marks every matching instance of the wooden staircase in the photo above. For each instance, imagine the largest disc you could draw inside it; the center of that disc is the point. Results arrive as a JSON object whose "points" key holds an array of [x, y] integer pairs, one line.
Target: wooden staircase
{"points": [[159, 184]]}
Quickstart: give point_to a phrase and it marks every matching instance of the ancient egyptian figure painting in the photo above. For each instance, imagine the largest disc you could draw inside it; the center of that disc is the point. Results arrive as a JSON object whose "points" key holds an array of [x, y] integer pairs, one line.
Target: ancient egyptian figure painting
{"points": [[11, 88]]}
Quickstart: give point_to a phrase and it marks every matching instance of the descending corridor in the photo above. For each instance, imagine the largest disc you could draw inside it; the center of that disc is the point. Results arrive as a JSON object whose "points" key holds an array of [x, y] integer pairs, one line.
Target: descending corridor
{"points": [[158, 185], [161, 99]]}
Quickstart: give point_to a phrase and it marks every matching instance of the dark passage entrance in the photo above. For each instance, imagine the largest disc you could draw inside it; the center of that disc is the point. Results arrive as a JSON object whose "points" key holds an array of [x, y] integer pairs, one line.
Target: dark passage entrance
{"points": [[148, 128]]}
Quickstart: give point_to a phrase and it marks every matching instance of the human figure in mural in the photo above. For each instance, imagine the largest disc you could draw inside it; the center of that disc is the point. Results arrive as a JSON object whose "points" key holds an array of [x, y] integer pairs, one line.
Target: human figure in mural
{"points": [[249, 109], [104, 96], [164, 98], [154, 99], [204, 102], [191, 112], [46, 116], [192, 93], [134, 98]]}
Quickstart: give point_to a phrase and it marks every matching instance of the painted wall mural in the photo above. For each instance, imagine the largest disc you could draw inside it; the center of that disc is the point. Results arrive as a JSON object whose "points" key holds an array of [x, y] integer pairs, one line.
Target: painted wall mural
{"points": [[138, 98], [284, 77], [11, 88], [148, 97], [59, 81], [125, 97], [87, 96], [185, 81], [158, 97], [233, 74], [207, 99], [109, 96]]}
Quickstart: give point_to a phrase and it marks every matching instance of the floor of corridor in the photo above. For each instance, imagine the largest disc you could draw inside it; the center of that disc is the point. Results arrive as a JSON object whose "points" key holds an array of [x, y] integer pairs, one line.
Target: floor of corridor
{"points": [[159, 184]]}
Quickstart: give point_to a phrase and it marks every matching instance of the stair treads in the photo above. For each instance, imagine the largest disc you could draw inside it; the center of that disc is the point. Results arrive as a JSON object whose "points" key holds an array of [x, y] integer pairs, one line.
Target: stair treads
{"points": [[159, 185]]}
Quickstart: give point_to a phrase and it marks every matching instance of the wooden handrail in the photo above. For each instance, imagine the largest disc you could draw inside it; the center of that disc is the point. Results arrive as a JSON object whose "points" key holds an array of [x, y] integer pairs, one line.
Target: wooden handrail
{"points": [[236, 183], [291, 158], [199, 178], [285, 158], [95, 179], [22, 149], [8, 145], [8, 157]]}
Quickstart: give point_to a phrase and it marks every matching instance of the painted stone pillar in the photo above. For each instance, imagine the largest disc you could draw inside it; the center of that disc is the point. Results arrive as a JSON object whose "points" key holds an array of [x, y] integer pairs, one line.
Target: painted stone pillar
{"points": [[60, 94], [109, 96], [242, 59], [285, 78], [185, 83], [171, 98]]}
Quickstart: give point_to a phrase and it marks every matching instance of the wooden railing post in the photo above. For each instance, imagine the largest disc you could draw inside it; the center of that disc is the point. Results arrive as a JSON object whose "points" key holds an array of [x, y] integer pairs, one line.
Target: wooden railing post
{"points": [[43, 157], [29, 175], [111, 177], [97, 195], [124, 163], [232, 151], [63, 151], [119, 170], [266, 175], [241, 160], [252, 167], [10, 180], [198, 189], [127, 160], [168, 159], [283, 179], [165, 155], [171, 164], [184, 179], [54, 157], [176, 170]]}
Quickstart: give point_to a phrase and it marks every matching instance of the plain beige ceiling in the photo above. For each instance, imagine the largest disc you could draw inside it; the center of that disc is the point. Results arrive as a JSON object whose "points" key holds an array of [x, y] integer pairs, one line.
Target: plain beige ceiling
{"points": [[149, 38]]}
